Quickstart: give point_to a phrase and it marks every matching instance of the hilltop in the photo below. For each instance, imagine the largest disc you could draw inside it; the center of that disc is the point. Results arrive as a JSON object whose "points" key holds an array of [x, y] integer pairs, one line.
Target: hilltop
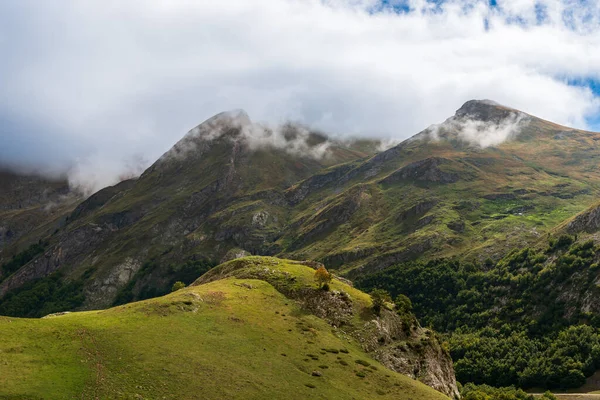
{"points": [[250, 329]]}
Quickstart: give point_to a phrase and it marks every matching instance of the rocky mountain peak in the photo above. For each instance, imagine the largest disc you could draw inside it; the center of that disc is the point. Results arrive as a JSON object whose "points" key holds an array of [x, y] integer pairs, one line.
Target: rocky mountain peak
{"points": [[484, 110]]}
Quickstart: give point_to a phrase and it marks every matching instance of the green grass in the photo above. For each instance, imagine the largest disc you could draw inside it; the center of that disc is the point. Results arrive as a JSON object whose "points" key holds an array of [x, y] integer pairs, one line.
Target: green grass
{"points": [[230, 338]]}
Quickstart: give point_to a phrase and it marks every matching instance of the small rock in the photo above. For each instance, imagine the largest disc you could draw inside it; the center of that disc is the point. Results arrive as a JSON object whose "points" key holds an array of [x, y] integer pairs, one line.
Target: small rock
{"points": [[317, 373]]}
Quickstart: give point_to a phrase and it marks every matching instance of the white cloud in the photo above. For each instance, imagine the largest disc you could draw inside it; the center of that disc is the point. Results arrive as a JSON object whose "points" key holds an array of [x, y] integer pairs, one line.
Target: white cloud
{"points": [[111, 80]]}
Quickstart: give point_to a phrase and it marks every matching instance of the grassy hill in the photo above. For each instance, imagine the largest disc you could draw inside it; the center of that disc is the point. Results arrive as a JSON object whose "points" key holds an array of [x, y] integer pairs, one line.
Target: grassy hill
{"points": [[231, 337]]}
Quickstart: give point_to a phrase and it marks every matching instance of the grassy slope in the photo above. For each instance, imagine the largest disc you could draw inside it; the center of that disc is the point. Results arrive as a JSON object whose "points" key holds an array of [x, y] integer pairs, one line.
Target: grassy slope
{"points": [[217, 340], [549, 171]]}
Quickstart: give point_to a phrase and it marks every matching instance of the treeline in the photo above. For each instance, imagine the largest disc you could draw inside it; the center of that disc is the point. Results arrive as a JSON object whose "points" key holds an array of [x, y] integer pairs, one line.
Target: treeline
{"points": [[486, 392], [509, 322], [22, 258], [56, 293], [42, 297]]}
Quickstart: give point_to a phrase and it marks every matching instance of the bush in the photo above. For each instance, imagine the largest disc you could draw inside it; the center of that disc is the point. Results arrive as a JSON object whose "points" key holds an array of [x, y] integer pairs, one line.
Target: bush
{"points": [[177, 286], [322, 277], [379, 298], [403, 304], [485, 392]]}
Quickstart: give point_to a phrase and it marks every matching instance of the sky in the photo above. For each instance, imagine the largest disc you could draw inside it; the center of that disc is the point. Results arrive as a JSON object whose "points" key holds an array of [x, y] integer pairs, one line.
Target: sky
{"points": [[101, 88]]}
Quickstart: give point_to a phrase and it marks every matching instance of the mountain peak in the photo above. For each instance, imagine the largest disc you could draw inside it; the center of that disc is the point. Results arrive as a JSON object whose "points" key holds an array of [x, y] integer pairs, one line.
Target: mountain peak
{"points": [[483, 110]]}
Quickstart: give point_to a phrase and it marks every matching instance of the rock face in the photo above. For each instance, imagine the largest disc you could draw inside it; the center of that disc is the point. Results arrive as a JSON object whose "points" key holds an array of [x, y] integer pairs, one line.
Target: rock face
{"points": [[415, 352], [484, 110], [588, 221], [428, 170], [402, 346]]}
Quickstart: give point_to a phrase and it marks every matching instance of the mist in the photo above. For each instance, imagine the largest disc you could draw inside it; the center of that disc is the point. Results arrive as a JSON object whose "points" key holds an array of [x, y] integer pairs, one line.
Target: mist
{"points": [[481, 133], [293, 138]]}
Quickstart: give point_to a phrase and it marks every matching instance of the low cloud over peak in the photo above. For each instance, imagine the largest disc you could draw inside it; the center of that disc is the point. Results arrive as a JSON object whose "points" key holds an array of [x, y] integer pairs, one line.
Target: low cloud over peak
{"points": [[103, 88]]}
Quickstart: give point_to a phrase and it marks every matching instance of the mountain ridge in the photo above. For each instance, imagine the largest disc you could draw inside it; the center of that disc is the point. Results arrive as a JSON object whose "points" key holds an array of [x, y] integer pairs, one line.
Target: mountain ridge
{"points": [[356, 209]]}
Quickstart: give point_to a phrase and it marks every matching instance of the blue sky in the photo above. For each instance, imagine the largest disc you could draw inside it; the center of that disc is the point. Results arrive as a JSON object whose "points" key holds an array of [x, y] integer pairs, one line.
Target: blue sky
{"points": [[99, 88]]}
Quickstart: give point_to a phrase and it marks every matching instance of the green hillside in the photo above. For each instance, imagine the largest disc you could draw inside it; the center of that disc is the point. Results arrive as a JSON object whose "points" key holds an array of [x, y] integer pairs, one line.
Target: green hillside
{"points": [[531, 319], [229, 338]]}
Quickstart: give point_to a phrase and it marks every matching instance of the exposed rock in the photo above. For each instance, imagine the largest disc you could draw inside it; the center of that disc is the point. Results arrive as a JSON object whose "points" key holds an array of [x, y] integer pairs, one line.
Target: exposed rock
{"points": [[457, 226], [334, 214], [58, 314], [103, 289], [484, 110], [298, 192], [100, 198], [427, 170], [588, 221], [414, 352], [418, 209], [500, 196], [260, 219], [233, 254]]}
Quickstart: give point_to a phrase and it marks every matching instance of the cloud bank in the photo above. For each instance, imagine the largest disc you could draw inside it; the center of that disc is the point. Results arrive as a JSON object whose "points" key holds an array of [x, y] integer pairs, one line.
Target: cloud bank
{"points": [[102, 88]]}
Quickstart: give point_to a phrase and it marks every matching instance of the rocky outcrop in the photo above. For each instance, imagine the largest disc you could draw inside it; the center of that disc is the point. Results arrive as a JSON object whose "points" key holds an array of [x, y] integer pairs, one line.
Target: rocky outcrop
{"points": [[410, 350], [587, 221], [427, 170], [71, 248], [484, 110], [104, 289], [298, 192]]}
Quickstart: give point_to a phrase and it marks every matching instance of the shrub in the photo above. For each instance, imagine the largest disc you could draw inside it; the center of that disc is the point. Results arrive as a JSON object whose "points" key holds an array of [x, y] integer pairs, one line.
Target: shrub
{"points": [[403, 304], [379, 297], [177, 286], [322, 277]]}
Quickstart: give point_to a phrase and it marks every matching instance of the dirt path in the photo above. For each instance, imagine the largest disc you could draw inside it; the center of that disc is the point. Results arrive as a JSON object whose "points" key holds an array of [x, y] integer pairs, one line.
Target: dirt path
{"points": [[93, 359]]}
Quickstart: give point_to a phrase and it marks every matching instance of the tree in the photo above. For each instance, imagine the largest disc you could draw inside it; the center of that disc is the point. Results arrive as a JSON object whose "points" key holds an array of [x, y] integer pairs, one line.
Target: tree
{"points": [[403, 304], [177, 285], [322, 277], [379, 297]]}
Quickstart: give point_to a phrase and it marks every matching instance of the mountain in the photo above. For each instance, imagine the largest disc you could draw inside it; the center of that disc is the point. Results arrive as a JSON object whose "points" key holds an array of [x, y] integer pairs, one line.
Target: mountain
{"points": [[31, 207], [182, 208], [482, 220], [486, 180], [455, 188], [252, 328]]}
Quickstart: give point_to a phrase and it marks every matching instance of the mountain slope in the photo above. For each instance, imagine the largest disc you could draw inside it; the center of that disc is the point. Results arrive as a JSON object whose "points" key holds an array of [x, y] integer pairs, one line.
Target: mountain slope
{"points": [[443, 193], [217, 190], [233, 337], [31, 207], [487, 179]]}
